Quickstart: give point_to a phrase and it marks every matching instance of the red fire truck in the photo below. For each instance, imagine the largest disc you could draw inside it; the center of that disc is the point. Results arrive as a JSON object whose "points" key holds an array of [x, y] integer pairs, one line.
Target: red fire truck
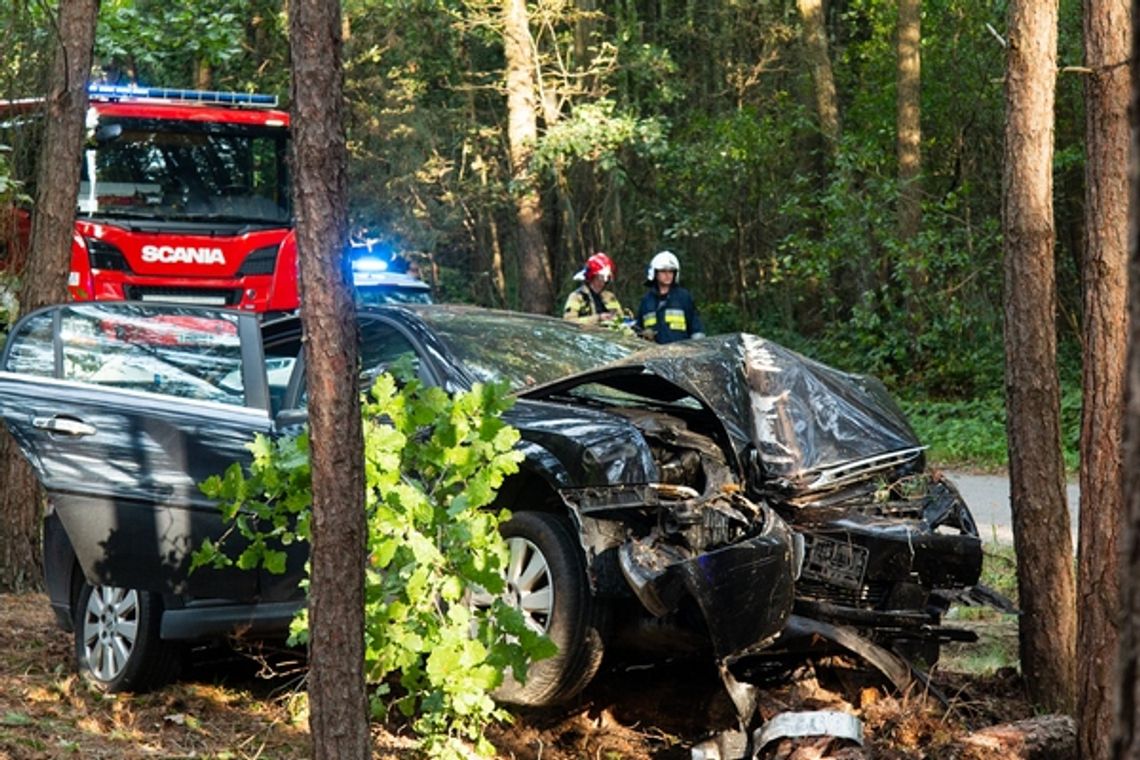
{"points": [[184, 197]]}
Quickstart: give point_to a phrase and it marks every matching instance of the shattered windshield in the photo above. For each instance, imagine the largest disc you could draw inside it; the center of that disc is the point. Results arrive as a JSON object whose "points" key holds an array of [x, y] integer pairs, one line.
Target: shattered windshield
{"points": [[526, 350], [178, 171]]}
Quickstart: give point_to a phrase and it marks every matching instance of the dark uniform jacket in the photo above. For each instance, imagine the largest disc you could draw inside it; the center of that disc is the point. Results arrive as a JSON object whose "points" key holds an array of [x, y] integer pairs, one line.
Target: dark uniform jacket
{"points": [[670, 317]]}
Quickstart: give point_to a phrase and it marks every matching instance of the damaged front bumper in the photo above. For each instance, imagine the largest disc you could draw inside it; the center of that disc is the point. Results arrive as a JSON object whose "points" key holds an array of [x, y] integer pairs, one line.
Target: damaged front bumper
{"points": [[891, 566], [735, 559]]}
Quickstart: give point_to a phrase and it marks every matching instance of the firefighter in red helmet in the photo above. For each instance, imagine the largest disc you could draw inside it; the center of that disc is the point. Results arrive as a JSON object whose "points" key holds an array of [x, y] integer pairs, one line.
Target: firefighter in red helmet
{"points": [[592, 302]]}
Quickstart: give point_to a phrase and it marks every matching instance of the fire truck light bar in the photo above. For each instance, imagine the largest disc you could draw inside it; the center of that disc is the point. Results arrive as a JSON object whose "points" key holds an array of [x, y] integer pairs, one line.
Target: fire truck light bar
{"points": [[185, 96]]}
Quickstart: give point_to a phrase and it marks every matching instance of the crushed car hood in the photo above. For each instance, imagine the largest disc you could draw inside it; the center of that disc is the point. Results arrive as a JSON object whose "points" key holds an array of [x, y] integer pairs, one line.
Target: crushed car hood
{"points": [[790, 421]]}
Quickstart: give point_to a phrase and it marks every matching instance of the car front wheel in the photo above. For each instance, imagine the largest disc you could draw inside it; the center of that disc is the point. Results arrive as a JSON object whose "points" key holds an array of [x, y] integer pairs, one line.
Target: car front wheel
{"points": [[546, 580], [117, 644]]}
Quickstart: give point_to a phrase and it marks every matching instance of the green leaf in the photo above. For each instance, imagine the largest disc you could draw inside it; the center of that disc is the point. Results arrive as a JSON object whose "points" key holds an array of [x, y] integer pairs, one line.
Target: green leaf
{"points": [[432, 464]]}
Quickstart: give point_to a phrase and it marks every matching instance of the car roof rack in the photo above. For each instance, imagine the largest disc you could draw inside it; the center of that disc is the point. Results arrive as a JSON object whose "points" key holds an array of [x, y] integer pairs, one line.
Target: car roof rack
{"points": [[208, 97]]}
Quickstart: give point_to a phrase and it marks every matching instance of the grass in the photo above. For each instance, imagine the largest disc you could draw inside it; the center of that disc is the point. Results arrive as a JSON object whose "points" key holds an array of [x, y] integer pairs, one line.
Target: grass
{"points": [[997, 646]]}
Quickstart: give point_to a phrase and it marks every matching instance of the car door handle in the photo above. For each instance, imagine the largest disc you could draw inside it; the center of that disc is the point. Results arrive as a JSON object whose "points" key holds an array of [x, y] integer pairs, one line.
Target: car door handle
{"points": [[63, 425]]}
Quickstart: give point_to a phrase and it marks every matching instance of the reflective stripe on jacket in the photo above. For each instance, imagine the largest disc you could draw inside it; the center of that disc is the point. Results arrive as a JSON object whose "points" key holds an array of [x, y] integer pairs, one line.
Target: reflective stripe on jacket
{"points": [[580, 304], [671, 317]]}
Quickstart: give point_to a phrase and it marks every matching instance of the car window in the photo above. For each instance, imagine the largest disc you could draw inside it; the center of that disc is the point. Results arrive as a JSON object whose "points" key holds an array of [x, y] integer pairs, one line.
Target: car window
{"points": [[381, 345], [173, 352], [31, 351]]}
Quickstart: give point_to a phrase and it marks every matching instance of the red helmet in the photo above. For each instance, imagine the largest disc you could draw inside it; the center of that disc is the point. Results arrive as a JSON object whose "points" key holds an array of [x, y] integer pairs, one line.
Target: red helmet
{"points": [[599, 264]]}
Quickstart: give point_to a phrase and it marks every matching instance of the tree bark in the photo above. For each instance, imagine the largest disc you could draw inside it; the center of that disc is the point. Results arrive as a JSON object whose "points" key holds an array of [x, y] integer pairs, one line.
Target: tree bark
{"points": [[536, 287], [338, 705], [49, 258], [909, 118], [1126, 732], [1105, 272], [1046, 737], [815, 46], [203, 74], [1047, 627]]}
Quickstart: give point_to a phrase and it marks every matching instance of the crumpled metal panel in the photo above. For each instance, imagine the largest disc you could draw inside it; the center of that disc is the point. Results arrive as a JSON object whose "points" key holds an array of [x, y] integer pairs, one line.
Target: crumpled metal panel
{"points": [[802, 416], [794, 725]]}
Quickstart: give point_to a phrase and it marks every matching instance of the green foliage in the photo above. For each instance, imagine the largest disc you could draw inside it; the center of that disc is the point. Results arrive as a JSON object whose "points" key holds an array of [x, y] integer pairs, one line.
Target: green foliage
{"points": [[433, 464], [683, 125], [11, 187], [922, 314], [171, 44], [999, 570], [595, 133], [164, 41], [9, 303], [10, 192], [972, 432]]}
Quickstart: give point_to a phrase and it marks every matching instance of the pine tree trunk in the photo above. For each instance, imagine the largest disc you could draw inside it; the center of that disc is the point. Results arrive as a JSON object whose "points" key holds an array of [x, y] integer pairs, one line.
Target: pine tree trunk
{"points": [[815, 44], [1042, 539], [45, 278], [203, 74], [1105, 270], [1126, 731], [536, 287], [909, 122], [339, 708]]}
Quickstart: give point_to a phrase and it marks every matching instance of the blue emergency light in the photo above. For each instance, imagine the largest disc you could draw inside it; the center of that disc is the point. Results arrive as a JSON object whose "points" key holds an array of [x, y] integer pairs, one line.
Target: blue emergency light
{"points": [[135, 92]]}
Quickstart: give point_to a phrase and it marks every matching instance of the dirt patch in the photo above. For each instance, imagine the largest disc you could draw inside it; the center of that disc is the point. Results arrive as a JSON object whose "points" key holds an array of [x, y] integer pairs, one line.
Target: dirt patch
{"points": [[223, 708]]}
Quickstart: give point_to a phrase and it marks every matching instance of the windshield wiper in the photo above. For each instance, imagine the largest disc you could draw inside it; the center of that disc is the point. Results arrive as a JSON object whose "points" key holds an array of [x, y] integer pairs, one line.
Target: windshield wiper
{"points": [[121, 214], [247, 223]]}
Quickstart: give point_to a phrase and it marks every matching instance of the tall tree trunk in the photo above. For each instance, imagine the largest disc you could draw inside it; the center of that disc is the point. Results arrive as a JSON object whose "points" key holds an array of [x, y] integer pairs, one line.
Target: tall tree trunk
{"points": [[339, 708], [1107, 89], [45, 278], [815, 45], [536, 288], [203, 74], [1126, 733], [1041, 534], [586, 40], [909, 122]]}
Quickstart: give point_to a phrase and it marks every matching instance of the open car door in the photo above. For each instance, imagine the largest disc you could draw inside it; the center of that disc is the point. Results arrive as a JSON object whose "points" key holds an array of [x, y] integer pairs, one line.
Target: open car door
{"points": [[122, 409]]}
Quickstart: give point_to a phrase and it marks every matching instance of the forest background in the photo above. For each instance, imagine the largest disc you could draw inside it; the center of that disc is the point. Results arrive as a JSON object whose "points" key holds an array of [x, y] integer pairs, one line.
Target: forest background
{"points": [[699, 126]]}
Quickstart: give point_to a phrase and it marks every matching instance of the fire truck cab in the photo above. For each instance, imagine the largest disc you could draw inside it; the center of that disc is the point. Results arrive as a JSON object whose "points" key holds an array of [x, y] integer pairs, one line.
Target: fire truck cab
{"points": [[184, 197]]}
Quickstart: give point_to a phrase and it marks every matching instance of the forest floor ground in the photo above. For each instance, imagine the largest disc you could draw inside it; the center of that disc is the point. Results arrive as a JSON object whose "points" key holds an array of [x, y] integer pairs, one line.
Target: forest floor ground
{"points": [[223, 708]]}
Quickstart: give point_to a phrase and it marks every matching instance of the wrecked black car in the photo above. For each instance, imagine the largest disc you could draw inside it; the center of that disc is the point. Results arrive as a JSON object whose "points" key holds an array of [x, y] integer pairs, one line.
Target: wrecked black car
{"points": [[888, 545], [703, 490]]}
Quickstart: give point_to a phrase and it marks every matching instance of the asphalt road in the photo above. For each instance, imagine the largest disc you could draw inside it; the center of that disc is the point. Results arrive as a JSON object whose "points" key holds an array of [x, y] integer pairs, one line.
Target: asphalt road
{"points": [[988, 498]]}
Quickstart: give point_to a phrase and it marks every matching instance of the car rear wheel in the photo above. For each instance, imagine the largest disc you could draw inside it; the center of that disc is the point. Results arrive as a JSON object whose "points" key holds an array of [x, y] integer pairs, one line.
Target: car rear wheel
{"points": [[546, 580], [117, 644]]}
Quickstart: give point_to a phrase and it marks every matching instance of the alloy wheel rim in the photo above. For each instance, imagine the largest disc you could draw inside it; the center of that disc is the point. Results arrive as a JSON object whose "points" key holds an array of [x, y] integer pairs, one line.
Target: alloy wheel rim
{"points": [[529, 586], [110, 630]]}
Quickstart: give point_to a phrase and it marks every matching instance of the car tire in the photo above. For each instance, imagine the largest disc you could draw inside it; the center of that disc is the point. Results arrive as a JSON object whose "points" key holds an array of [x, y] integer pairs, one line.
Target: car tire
{"points": [[117, 643], [547, 581]]}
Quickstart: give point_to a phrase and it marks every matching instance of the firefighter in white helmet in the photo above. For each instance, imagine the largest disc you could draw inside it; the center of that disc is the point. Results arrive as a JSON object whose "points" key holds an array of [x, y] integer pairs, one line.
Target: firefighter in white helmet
{"points": [[667, 313]]}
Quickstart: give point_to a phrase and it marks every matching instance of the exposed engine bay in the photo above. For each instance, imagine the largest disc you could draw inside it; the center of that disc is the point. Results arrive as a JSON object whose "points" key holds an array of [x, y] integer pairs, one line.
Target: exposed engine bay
{"points": [[880, 557]]}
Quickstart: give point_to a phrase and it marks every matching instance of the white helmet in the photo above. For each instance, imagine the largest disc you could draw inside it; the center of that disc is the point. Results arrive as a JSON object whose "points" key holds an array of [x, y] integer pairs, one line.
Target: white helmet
{"points": [[663, 260]]}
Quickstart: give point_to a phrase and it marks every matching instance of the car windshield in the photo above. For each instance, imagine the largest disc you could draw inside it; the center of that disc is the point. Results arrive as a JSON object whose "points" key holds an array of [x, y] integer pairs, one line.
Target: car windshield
{"points": [[525, 350], [154, 169]]}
